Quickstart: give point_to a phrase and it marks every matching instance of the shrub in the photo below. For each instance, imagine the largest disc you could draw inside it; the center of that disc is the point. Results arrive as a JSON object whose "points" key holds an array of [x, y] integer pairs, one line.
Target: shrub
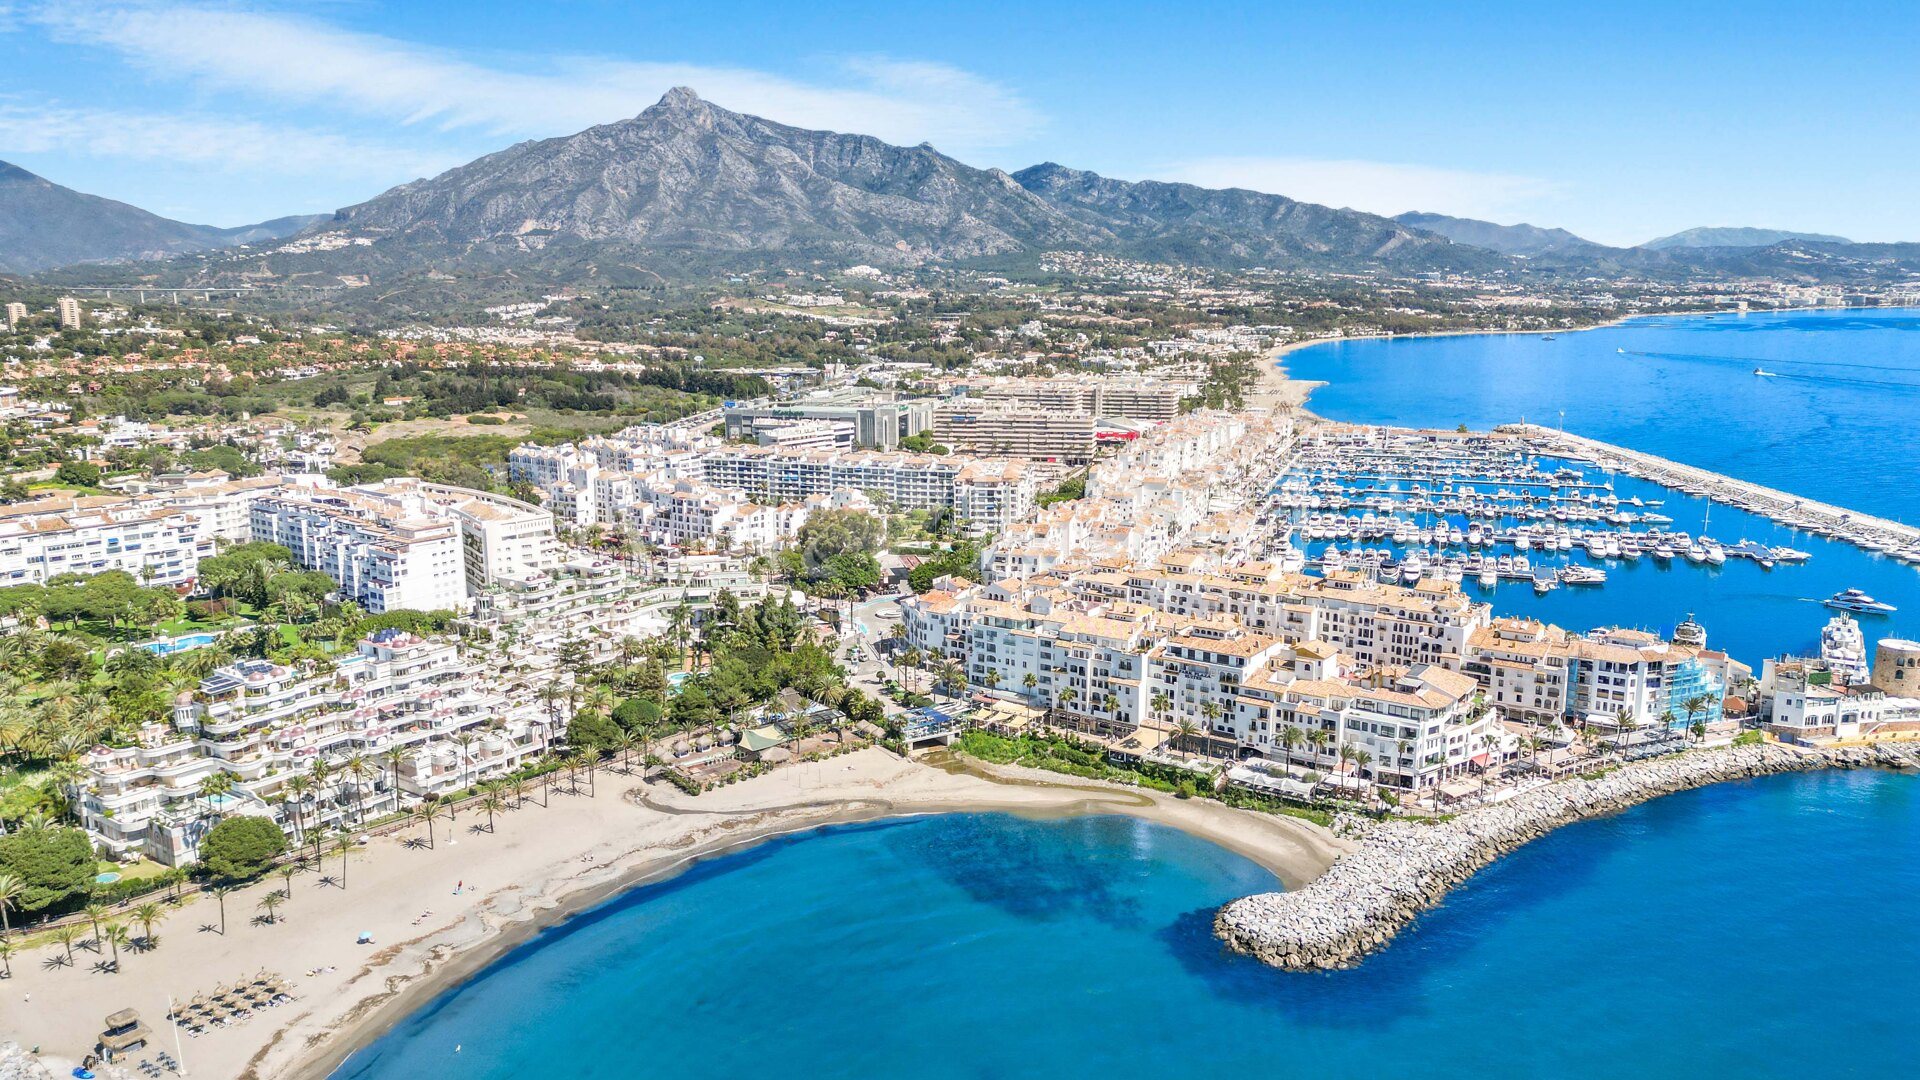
{"points": [[239, 848]]}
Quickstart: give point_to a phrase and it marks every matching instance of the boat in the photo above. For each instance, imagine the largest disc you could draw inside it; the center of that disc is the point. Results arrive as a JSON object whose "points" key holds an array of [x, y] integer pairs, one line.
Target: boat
{"points": [[1856, 600], [1716, 555], [1696, 553], [1765, 374], [1662, 551], [1844, 649], [1583, 575], [1488, 578]]}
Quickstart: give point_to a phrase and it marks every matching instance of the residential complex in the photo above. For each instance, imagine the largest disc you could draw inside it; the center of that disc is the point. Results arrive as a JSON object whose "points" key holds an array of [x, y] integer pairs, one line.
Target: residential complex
{"points": [[397, 720], [386, 551]]}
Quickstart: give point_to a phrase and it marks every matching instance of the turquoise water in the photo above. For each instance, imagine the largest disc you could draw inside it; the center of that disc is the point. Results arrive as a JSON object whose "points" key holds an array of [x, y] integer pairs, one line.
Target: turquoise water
{"points": [[1834, 432], [1729, 932], [179, 644]]}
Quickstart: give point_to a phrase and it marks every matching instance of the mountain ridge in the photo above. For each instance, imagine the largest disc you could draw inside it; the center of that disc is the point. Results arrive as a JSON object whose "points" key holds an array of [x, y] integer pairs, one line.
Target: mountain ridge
{"points": [[44, 225]]}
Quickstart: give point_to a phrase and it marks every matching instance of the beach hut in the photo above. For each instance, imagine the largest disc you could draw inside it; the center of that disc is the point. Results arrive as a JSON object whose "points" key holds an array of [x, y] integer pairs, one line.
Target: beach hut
{"points": [[125, 1032]]}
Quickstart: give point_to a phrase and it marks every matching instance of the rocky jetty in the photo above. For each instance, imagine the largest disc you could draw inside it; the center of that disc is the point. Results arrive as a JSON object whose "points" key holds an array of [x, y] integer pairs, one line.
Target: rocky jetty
{"points": [[17, 1064], [1402, 868]]}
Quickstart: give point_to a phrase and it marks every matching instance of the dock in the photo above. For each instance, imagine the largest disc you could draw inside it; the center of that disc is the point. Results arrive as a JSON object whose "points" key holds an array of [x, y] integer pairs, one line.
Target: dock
{"points": [[1892, 538]]}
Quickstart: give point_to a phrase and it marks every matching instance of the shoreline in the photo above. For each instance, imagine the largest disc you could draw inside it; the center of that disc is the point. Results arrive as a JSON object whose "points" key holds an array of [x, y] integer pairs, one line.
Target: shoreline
{"points": [[538, 867], [1274, 372], [378, 1015], [1402, 869]]}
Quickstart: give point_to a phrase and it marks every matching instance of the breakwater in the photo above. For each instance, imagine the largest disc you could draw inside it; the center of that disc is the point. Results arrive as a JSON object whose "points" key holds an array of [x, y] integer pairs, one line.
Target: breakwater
{"points": [[1402, 868], [1807, 515]]}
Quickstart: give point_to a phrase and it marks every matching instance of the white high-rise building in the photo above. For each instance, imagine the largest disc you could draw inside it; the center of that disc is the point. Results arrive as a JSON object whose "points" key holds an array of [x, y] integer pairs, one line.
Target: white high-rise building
{"points": [[387, 552]]}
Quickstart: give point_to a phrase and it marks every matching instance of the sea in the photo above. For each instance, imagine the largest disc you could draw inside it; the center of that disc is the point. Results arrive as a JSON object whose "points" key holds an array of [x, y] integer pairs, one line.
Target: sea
{"points": [[1749, 930], [1838, 421], [1756, 929]]}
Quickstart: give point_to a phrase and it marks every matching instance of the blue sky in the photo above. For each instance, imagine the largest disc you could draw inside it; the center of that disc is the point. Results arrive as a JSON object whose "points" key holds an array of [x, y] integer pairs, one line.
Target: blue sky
{"points": [[1621, 121]]}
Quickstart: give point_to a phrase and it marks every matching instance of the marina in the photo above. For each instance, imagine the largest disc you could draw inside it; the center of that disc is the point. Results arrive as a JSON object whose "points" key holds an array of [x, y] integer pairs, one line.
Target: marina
{"points": [[1763, 596], [1478, 509]]}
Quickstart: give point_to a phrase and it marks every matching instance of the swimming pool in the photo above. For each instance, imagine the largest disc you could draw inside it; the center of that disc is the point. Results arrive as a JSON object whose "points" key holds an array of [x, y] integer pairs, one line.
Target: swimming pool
{"points": [[180, 644]]}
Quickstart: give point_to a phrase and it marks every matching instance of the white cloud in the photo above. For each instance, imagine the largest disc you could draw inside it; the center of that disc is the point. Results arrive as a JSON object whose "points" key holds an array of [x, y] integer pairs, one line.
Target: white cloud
{"points": [[1376, 186], [236, 145], [290, 59]]}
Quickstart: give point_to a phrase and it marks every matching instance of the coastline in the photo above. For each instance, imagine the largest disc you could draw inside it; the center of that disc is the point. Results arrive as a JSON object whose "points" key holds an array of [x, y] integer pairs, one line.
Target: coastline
{"points": [[539, 867], [1402, 868]]}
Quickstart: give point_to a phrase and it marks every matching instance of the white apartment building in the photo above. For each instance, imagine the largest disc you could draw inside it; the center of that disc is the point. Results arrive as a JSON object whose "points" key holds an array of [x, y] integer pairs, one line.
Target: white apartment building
{"points": [[409, 710], [990, 495], [69, 311], [1418, 727], [45, 538], [16, 313], [387, 552], [501, 538]]}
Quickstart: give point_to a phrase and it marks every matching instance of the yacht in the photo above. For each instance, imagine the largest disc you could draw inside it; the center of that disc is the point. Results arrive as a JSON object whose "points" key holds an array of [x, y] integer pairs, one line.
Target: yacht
{"points": [[1583, 575], [1412, 567], [1844, 649], [1488, 578], [1856, 600], [1662, 551], [1696, 553], [1716, 555]]}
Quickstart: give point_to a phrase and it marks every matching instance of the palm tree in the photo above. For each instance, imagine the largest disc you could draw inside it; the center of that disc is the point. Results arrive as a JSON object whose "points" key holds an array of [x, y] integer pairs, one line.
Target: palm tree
{"points": [[343, 847], [427, 813], [1318, 738], [220, 893], [298, 787], [492, 803], [1290, 740], [1694, 706], [1627, 723], [1030, 680], [271, 901], [1187, 729], [66, 936], [287, 871], [117, 936], [146, 915], [1362, 759], [96, 913], [10, 889], [360, 771], [395, 757], [6, 956], [1066, 698], [518, 789], [465, 741], [1210, 710]]}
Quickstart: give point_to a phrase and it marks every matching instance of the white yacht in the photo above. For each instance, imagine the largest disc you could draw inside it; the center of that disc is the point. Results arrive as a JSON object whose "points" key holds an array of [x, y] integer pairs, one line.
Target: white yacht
{"points": [[1856, 600]]}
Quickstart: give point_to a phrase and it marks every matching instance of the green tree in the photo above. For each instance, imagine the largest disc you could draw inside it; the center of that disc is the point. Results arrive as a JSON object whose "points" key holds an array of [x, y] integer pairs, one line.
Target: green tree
{"points": [[54, 864], [78, 474], [240, 848]]}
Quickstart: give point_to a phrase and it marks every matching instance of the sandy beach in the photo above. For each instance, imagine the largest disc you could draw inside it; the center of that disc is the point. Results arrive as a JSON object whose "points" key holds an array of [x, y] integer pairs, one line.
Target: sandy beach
{"points": [[437, 914]]}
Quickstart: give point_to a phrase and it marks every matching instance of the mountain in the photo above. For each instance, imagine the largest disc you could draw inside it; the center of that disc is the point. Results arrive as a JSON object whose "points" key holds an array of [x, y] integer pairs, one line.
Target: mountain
{"points": [[687, 188], [1234, 226], [1525, 241], [44, 225], [688, 176], [1727, 237], [277, 229]]}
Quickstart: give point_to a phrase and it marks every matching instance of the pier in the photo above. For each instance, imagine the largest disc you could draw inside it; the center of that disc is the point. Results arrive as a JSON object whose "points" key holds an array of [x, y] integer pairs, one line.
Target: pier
{"points": [[1901, 541]]}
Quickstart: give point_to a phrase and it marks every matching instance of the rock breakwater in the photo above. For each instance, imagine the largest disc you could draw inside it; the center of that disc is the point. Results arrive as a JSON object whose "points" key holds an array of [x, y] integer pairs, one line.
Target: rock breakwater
{"points": [[1402, 868]]}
